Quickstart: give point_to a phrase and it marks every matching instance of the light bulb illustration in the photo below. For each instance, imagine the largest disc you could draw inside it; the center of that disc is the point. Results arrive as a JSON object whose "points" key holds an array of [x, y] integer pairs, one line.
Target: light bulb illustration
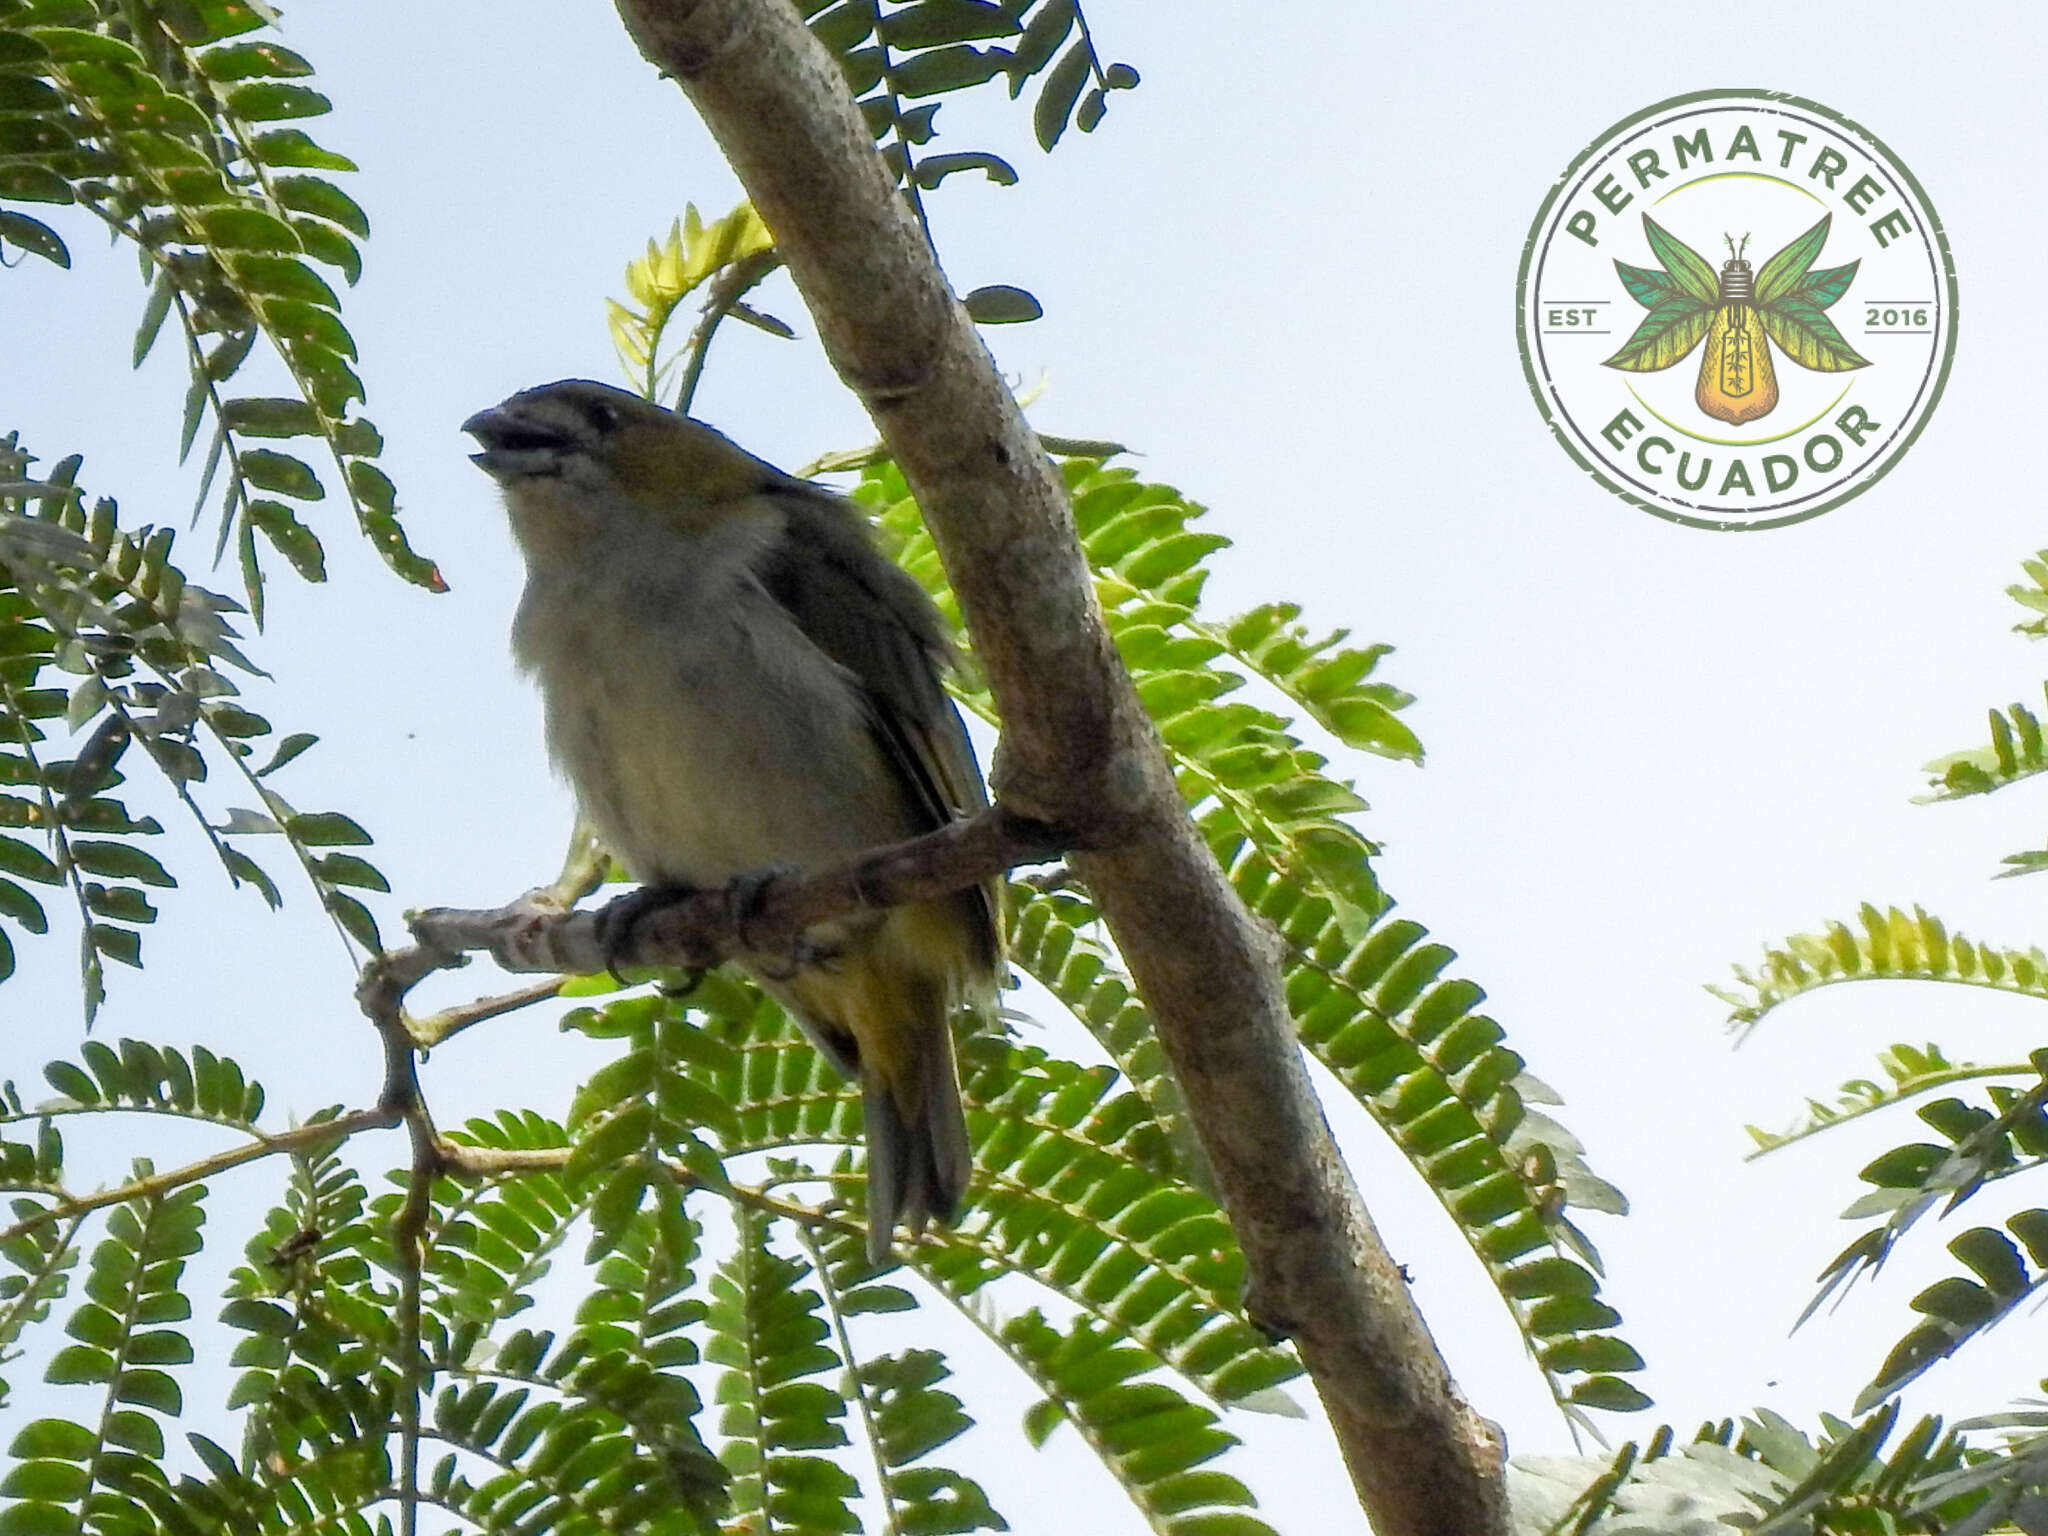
{"points": [[1737, 381], [1741, 314]]}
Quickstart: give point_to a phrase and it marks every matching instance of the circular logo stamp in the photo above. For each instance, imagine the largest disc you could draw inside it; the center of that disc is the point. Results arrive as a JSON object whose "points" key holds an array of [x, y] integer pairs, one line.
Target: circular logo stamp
{"points": [[1737, 309]]}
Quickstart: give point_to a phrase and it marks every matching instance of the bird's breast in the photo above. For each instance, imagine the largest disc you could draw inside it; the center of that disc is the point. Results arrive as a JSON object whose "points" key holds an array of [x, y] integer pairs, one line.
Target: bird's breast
{"points": [[703, 734]]}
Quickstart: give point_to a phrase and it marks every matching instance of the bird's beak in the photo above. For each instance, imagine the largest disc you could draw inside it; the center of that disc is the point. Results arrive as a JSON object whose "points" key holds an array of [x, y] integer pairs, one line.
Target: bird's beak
{"points": [[514, 446]]}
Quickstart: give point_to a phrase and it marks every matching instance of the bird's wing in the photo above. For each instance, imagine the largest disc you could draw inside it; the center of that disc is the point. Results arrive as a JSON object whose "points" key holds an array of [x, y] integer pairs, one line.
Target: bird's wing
{"points": [[874, 620]]}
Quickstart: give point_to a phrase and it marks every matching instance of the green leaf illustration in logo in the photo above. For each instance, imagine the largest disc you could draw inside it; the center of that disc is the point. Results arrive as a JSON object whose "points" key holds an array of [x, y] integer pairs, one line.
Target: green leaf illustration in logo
{"points": [[1739, 314], [1667, 333], [1810, 338], [1648, 286], [1692, 271], [1822, 288], [1784, 271]]}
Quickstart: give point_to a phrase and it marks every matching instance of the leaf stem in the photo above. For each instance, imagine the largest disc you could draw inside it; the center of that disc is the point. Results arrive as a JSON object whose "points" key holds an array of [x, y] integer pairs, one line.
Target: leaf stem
{"points": [[856, 1388], [727, 289], [1908, 1090], [155, 1185]]}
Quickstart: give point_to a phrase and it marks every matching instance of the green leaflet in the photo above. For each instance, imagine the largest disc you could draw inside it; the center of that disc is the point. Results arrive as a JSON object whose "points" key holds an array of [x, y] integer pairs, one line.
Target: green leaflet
{"points": [[1690, 270], [1666, 334], [2018, 750], [1781, 275], [1810, 338], [1957, 1308]]}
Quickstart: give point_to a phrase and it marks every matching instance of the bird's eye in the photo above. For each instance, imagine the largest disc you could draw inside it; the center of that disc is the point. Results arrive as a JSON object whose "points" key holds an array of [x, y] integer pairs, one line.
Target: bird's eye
{"points": [[603, 415]]}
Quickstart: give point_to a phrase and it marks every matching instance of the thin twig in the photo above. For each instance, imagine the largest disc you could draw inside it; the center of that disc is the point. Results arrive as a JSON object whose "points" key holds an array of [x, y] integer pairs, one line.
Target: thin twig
{"points": [[380, 992], [584, 864], [1060, 877], [295, 1140], [727, 289], [466, 1162], [436, 1027], [702, 928]]}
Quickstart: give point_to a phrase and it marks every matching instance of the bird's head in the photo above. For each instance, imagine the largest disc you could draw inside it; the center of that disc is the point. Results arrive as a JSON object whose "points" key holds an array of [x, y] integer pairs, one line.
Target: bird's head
{"points": [[575, 451]]}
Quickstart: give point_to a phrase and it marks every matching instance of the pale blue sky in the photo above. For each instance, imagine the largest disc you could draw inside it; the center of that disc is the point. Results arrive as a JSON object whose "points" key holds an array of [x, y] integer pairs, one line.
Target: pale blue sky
{"points": [[1283, 269]]}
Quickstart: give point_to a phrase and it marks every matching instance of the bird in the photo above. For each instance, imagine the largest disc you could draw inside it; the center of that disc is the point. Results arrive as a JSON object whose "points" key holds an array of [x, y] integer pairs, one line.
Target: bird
{"points": [[736, 681]]}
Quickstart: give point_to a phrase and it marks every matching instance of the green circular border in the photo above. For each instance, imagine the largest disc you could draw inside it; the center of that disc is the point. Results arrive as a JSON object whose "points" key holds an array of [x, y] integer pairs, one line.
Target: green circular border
{"points": [[1564, 437]]}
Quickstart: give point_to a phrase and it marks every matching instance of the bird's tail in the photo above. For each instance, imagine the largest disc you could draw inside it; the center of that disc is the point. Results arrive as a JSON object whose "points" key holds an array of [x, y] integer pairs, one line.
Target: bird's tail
{"points": [[918, 1157]]}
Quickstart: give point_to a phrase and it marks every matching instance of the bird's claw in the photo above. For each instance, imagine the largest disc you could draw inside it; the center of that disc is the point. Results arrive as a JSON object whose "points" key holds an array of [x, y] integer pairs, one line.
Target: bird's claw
{"points": [[784, 958], [692, 979], [744, 896], [619, 919], [745, 893]]}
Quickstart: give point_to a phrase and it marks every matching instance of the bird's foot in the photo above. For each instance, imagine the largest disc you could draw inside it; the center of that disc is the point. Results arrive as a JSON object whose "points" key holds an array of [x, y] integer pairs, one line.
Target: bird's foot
{"points": [[685, 983], [621, 917], [783, 959]]}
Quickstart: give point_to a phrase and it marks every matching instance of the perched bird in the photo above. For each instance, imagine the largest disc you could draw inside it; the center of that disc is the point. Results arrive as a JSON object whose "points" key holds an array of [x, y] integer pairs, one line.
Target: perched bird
{"points": [[737, 681]]}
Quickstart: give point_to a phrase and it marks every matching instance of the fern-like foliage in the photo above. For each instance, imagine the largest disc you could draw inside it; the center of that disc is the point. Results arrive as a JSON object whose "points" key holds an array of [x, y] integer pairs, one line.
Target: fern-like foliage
{"points": [[1067, 1191], [2032, 595], [1153, 1440], [727, 258], [2016, 752], [1981, 1144], [1959, 1307], [899, 58], [921, 49], [104, 1469], [296, 1302], [1367, 988], [1933, 1481], [1905, 1072], [1768, 1476], [36, 1258], [768, 1333], [589, 1431], [102, 634], [175, 127], [1889, 945], [611, 1396], [909, 1415]]}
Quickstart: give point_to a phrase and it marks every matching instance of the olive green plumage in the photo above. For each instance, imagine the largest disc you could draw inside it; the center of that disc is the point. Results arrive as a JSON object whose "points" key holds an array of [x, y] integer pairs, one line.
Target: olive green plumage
{"points": [[736, 680]]}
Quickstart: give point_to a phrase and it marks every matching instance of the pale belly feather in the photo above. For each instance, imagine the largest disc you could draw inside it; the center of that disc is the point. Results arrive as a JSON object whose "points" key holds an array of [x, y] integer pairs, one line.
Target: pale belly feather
{"points": [[709, 747]]}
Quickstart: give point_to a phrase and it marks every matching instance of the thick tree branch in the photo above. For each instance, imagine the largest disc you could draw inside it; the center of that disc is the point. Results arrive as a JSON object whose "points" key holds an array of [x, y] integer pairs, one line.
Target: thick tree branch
{"points": [[1077, 744], [710, 926]]}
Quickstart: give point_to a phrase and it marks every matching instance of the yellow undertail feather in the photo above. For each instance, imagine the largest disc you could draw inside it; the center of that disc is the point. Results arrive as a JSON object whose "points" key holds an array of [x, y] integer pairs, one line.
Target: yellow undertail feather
{"points": [[881, 996]]}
